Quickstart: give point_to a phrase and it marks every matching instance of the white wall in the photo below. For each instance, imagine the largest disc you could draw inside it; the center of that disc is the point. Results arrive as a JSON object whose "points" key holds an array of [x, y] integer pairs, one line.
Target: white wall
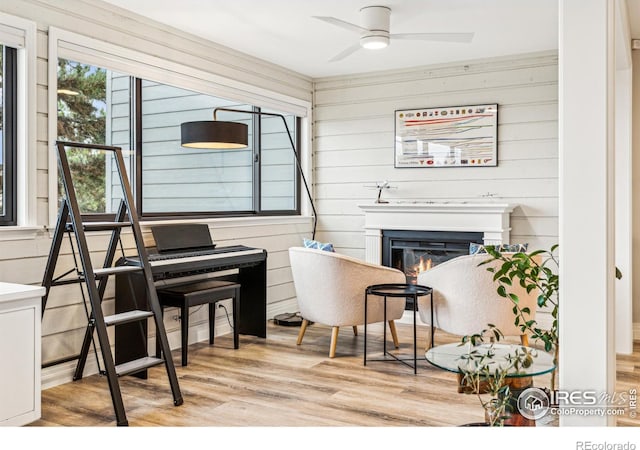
{"points": [[354, 144], [587, 65], [636, 189], [23, 260]]}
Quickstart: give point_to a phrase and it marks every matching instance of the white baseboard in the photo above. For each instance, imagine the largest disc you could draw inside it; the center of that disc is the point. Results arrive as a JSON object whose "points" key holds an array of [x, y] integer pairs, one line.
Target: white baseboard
{"points": [[63, 373]]}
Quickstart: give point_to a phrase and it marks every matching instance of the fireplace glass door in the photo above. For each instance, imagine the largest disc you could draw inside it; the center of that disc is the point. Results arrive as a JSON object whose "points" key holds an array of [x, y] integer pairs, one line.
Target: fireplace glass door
{"points": [[416, 251]]}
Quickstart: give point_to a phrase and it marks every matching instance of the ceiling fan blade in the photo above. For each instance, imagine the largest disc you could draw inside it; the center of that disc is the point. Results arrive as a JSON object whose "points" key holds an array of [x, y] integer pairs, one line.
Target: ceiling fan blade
{"points": [[341, 23], [438, 37], [346, 52]]}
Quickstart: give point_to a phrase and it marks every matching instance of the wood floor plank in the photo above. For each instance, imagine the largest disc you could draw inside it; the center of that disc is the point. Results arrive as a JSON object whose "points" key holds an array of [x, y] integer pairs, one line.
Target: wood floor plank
{"points": [[274, 382]]}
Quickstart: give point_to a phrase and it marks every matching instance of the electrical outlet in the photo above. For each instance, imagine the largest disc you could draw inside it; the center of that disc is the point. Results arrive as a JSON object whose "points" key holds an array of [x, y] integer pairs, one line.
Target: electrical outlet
{"points": [[176, 318], [220, 305]]}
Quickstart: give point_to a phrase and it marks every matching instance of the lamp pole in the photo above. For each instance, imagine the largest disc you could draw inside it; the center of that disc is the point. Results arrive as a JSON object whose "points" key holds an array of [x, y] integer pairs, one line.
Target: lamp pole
{"points": [[293, 147]]}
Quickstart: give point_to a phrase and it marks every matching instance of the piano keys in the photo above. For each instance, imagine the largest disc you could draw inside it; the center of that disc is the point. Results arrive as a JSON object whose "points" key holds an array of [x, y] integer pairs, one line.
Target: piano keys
{"points": [[174, 265]]}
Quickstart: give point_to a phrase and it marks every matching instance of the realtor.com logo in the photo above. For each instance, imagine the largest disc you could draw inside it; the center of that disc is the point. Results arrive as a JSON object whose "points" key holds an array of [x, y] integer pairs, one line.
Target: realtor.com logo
{"points": [[535, 403]]}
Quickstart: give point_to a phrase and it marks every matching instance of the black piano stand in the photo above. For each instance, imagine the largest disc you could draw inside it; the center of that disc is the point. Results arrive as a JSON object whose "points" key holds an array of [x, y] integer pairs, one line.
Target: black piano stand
{"points": [[131, 339]]}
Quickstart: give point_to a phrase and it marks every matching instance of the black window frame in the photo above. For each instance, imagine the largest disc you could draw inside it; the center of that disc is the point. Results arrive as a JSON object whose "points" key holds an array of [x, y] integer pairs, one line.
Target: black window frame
{"points": [[136, 126], [135, 141], [8, 217]]}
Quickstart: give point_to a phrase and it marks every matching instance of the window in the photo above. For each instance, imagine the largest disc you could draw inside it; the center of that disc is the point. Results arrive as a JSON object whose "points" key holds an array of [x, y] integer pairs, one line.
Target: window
{"points": [[96, 105], [8, 134], [90, 111]]}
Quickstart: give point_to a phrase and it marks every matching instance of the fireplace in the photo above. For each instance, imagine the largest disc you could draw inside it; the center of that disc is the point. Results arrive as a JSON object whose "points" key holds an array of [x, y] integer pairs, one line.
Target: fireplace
{"points": [[413, 251], [490, 220]]}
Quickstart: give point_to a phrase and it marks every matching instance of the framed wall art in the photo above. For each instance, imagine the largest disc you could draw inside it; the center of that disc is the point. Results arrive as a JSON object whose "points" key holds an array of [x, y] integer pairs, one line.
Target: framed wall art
{"points": [[455, 136]]}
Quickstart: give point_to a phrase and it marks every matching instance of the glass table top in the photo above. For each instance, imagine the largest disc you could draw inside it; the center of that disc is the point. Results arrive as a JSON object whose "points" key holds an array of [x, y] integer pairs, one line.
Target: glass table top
{"points": [[451, 357]]}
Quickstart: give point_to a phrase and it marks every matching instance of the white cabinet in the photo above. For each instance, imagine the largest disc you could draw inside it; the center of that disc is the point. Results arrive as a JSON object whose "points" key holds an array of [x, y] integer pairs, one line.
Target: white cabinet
{"points": [[20, 347]]}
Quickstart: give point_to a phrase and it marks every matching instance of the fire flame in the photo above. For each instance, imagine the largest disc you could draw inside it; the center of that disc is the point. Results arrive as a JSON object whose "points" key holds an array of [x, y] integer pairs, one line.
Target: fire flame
{"points": [[424, 265], [413, 271]]}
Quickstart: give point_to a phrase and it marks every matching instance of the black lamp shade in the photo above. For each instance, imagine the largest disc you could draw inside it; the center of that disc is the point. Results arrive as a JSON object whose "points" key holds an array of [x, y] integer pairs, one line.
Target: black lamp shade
{"points": [[214, 134]]}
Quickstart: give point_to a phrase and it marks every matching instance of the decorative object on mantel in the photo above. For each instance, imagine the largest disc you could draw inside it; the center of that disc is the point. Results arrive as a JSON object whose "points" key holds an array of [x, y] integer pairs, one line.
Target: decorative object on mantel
{"points": [[218, 134], [380, 185], [454, 136]]}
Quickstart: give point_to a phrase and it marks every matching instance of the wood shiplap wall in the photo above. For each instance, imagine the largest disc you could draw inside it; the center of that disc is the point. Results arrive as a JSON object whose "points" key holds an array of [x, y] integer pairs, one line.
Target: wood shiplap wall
{"points": [[354, 144], [23, 261]]}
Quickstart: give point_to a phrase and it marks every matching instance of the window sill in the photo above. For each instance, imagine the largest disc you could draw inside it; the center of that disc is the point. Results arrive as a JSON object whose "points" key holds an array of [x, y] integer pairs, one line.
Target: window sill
{"points": [[214, 223], [19, 233]]}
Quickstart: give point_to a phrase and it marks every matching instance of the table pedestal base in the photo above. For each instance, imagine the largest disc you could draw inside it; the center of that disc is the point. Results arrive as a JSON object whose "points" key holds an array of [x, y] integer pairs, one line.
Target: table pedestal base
{"points": [[516, 386]]}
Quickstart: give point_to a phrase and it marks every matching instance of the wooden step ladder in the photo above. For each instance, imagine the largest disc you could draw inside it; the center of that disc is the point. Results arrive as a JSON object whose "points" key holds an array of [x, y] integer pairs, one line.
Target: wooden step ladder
{"points": [[70, 222]]}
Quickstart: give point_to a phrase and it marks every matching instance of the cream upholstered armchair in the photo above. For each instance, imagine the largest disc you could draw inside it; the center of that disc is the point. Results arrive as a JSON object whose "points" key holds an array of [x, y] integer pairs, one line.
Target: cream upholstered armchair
{"points": [[330, 288], [465, 298]]}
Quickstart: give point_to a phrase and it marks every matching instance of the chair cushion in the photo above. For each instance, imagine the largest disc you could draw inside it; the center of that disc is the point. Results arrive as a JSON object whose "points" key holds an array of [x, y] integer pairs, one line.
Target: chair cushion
{"points": [[310, 243]]}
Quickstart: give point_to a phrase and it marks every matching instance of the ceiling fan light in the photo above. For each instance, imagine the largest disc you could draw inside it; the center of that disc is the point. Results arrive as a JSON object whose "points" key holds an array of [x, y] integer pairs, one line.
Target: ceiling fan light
{"points": [[374, 42]]}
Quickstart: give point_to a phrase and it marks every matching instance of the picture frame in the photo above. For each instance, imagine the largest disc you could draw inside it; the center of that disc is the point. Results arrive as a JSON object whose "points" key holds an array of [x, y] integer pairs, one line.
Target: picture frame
{"points": [[453, 136]]}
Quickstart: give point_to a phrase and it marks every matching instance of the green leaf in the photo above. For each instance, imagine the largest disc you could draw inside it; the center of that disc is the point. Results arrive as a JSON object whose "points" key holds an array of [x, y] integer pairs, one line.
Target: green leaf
{"points": [[530, 287], [506, 281], [514, 298], [502, 292], [542, 300]]}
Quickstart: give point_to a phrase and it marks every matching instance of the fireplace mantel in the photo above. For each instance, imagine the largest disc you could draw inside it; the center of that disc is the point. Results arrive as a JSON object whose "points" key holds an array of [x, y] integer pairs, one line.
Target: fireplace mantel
{"points": [[491, 219]]}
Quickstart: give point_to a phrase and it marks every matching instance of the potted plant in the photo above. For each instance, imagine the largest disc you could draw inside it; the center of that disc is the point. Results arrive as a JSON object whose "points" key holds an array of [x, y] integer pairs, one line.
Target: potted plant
{"points": [[485, 374], [536, 270]]}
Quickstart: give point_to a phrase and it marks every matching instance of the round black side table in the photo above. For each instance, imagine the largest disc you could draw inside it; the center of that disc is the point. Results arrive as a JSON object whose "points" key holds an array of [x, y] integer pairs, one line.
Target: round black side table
{"points": [[397, 290]]}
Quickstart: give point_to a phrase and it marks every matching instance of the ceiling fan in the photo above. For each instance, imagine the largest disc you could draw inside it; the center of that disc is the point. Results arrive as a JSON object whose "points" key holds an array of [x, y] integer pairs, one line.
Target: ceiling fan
{"points": [[374, 31]]}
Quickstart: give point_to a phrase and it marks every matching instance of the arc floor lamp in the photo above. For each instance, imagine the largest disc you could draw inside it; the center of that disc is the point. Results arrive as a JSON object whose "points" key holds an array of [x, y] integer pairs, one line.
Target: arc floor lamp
{"points": [[218, 134]]}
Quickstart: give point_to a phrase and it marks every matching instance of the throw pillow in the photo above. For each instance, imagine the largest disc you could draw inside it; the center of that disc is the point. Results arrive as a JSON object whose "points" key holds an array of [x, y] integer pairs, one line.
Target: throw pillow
{"points": [[477, 249], [310, 243], [514, 248]]}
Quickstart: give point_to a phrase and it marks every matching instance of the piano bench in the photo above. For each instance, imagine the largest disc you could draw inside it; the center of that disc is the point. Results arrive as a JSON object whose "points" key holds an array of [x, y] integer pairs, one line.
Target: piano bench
{"points": [[184, 296]]}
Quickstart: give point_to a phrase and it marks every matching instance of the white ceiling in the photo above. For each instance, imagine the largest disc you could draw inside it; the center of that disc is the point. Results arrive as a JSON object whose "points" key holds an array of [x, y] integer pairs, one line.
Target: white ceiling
{"points": [[285, 33]]}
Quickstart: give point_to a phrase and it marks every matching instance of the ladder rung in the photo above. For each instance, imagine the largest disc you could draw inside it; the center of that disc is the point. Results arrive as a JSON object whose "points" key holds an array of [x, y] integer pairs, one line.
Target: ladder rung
{"points": [[69, 281], [137, 365], [99, 226], [103, 226], [129, 316], [106, 271]]}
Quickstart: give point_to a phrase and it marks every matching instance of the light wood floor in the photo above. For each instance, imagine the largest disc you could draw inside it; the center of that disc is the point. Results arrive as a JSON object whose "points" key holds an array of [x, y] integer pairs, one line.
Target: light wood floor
{"points": [[274, 382]]}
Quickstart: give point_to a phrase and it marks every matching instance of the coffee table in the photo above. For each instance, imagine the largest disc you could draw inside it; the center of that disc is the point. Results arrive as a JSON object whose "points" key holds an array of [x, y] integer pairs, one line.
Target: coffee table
{"points": [[449, 357]]}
